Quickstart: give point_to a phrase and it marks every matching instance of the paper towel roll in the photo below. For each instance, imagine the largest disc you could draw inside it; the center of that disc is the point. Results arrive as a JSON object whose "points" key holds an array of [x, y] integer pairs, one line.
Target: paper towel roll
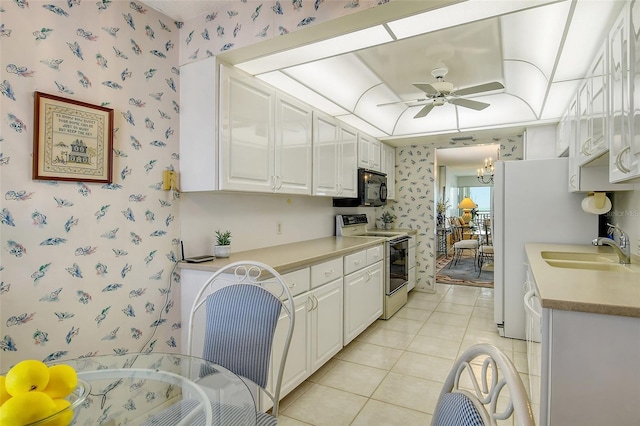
{"points": [[590, 204]]}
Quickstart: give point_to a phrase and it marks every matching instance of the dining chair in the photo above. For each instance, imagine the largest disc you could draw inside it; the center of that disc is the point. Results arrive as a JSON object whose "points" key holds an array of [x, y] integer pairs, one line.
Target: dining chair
{"points": [[485, 251], [460, 244], [244, 303], [483, 388]]}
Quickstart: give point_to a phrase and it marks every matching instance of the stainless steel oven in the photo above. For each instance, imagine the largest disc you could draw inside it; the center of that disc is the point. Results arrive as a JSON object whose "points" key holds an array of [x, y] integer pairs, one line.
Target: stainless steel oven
{"points": [[397, 264]]}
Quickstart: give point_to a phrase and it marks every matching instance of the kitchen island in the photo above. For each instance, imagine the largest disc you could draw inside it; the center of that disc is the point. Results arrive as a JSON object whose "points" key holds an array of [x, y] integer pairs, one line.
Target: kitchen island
{"points": [[585, 369]]}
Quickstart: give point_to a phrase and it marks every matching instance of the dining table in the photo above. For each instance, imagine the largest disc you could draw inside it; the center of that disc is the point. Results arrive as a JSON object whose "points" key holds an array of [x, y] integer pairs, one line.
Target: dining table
{"points": [[160, 389]]}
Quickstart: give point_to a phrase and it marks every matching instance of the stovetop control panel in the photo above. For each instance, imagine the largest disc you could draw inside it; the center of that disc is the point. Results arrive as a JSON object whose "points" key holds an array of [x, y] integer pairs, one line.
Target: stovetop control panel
{"points": [[353, 219]]}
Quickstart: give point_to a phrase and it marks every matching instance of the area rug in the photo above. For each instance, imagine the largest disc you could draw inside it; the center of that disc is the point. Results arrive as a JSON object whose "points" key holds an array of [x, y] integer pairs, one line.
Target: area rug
{"points": [[463, 273]]}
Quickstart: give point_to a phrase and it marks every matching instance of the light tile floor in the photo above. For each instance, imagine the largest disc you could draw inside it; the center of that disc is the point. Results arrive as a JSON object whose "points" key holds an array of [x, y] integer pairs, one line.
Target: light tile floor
{"points": [[393, 372]]}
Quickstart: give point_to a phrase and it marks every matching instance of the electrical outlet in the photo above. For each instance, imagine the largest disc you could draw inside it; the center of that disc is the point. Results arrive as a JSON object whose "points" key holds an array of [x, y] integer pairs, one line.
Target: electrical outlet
{"points": [[279, 228]]}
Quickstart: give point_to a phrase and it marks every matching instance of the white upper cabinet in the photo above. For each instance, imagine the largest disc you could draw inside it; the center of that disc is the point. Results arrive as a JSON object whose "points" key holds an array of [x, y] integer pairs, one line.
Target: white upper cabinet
{"points": [[389, 168], [348, 156], [247, 140], [293, 149], [593, 110], [265, 137], [335, 157], [369, 153], [624, 143]]}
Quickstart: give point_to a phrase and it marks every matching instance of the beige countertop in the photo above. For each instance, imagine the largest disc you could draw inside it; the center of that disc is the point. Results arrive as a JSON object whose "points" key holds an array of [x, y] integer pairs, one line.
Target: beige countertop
{"points": [[289, 257], [600, 292]]}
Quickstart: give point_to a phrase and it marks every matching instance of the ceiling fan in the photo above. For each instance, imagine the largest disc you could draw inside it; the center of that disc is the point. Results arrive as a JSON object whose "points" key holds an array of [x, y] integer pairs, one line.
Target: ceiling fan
{"points": [[442, 92]]}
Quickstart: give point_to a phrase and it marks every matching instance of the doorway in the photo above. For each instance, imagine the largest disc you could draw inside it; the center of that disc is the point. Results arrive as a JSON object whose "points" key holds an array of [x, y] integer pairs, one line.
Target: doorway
{"points": [[457, 180]]}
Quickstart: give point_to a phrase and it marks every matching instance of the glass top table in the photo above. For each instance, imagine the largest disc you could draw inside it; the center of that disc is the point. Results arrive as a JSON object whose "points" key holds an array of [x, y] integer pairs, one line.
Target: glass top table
{"points": [[161, 389]]}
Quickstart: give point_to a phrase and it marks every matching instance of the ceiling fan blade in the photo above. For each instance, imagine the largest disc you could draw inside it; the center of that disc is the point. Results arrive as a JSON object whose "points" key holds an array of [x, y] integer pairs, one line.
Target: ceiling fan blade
{"points": [[427, 88], [479, 88], [468, 103], [404, 102], [424, 111]]}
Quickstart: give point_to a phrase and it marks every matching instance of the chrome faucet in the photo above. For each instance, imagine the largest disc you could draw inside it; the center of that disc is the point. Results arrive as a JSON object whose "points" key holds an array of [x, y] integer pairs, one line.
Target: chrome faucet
{"points": [[623, 250]]}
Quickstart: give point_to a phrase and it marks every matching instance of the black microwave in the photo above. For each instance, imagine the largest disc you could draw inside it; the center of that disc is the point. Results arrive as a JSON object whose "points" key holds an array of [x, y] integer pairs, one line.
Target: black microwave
{"points": [[372, 191]]}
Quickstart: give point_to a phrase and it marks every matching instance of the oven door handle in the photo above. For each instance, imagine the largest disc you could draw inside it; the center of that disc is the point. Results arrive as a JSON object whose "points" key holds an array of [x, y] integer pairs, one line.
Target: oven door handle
{"points": [[400, 239]]}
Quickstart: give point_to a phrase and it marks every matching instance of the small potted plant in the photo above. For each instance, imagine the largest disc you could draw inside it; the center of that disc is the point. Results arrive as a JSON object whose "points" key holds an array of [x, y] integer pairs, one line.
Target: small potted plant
{"points": [[223, 244], [387, 219]]}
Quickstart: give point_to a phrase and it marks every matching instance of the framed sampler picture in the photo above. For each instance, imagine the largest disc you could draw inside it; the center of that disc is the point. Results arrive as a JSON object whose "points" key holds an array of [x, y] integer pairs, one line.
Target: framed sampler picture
{"points": [[72, 140]]}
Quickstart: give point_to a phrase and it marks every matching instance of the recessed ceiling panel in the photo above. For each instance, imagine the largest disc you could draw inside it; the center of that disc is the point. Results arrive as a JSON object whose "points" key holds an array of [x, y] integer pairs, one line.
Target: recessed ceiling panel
{"points": [[471, 52], [503, 109], [342, 79], [534, 35], [527, 82], [440, 119]]}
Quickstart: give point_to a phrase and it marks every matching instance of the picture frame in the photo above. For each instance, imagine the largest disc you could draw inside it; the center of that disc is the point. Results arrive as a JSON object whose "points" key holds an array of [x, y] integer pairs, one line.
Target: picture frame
{"points": [[72, 140]]}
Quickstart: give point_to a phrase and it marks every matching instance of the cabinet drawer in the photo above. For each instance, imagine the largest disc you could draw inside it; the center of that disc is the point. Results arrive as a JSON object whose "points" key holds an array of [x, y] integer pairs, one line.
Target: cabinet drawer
{"points": [[355, 261], [298, 281], [326, 272], [375, 254]]}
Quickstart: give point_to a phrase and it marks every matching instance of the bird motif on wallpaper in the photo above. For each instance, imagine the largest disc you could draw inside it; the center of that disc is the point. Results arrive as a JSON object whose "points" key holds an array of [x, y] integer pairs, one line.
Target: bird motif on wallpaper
{"points": [[54, 296], [134, 46], [112, 287], [64, 315]]}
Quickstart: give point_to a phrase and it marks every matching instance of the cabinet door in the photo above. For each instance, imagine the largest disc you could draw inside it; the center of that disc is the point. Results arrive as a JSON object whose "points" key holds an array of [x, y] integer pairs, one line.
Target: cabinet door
{"points": [[363, 151], [247, 142], [634, 26], [325, 155], [621, 161], [389, 167], [584, 122], [574, 146], [599, 109], [363, 292], [326, 322], [375, 155], [292, 146], [348, 163], [297, 367]]}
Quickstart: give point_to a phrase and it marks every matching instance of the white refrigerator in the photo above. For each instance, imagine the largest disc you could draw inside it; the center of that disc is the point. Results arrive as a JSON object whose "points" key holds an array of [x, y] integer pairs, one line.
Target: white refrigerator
{"points": [[531, 204]]}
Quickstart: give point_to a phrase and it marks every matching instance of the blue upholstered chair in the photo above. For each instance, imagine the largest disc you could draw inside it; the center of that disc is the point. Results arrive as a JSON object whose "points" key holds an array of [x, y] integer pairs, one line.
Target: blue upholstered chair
{"points": [[470, 397], [244, 303]]}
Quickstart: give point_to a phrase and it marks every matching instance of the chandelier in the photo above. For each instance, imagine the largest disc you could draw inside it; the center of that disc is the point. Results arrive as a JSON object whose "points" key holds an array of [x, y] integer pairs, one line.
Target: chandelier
{"points": [[485, 174]]}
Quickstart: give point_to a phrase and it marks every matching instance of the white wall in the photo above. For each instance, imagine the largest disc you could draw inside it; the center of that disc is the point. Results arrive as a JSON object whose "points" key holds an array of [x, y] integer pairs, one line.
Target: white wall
{"points": [[253, 218], [540, 142]]}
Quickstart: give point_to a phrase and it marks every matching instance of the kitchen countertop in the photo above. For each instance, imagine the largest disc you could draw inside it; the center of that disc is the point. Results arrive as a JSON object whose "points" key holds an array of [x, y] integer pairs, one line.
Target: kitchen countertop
{"points": [[600, 292], [289, 257]]}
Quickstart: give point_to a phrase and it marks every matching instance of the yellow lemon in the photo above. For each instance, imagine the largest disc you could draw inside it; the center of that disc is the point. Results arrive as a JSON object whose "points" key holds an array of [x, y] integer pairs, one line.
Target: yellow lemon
{"points": [[62, 418], [26, 408], [26, 376], [62, 381], [4, 395]]}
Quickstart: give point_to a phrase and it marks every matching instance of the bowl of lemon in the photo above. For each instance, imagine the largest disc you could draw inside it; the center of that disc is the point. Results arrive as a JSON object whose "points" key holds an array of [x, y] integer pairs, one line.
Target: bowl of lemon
{"points": [[33, 393]]}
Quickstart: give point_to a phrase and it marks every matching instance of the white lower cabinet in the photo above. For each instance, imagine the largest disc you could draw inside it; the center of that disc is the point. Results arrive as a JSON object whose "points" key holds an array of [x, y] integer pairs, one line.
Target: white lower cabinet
{"points": [[585, 369], [331, 309], [363, 291], [298, 366], [325, 316]]}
